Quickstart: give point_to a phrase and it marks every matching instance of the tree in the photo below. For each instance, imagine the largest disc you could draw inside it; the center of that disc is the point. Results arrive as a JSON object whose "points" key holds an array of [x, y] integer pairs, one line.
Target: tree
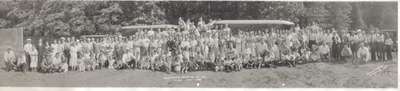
{"points": [[291, 11], [339, 15], [61, 18], [357, 17], [142, 13], [79, 22]]}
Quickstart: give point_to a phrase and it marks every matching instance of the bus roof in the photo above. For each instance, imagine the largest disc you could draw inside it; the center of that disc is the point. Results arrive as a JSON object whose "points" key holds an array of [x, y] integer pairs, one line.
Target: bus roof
{"points": [[389, 30], [283, 22], [95, 36], [149, 26]]}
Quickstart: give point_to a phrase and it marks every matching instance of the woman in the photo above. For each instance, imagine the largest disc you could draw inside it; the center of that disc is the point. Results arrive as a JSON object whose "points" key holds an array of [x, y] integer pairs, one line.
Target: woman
{"points": [[363, 53], [324, 51], [22, 64], [304, 55], [346, 53], [74, 56]]}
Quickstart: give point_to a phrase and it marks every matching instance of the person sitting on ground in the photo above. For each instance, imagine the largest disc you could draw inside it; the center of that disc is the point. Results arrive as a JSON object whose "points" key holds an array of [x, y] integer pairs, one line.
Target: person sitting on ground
{"points": [[346, 53], [21, 63], [324, 51], [63, 67], [314, 54], [126, 57], [269, 58], [304, 55], [363, 53], [10, 60]]}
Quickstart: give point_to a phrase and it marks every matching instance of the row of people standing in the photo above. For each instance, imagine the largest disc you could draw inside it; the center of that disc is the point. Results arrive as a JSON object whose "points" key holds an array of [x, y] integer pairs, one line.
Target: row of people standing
{"points": [[215, 49]]}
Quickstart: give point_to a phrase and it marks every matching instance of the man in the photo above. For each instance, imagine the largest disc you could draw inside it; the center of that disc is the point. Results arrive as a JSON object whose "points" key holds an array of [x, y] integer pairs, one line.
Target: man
{"points": [[40, 52], [66, 50], [109, 53], [10, 60], [388, 48], [374, 46], [336, 45], [381, 46], [32, 53]]}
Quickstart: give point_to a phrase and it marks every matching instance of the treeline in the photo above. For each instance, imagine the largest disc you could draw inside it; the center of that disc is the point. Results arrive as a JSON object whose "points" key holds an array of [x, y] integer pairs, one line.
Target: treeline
{"points": [[65, 18]]}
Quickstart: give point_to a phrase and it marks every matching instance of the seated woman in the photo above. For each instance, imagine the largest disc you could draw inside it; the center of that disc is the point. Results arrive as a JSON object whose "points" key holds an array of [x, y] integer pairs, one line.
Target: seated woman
{"points": [[324, 51], [46, 65], [346, 53], [166, 62], [315, 56], [177, 63], [293, 57], [64, 67], [304, 55], [228, 64], [259, 62], [127, 56], [88, 62], [363, 53], [238, 61], [219, 63], [21, 64], [81, 66], [268, 59], [251, 59], [56, 63]]}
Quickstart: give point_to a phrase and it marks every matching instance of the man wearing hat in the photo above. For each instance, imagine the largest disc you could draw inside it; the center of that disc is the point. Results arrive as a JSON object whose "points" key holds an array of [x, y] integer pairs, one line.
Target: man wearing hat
{"points": [[32, 53]]}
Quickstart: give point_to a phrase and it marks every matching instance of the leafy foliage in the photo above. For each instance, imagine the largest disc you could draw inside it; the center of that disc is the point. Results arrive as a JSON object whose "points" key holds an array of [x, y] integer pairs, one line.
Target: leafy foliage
{"points": [[65, 18]]}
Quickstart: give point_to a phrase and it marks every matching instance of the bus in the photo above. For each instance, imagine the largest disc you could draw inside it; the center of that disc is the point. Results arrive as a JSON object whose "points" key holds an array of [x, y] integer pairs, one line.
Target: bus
{"points": [[254, 25]]}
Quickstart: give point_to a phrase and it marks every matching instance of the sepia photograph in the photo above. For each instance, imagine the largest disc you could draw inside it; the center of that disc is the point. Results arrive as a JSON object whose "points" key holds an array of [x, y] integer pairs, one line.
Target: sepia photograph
{"points": [[198, 44]]}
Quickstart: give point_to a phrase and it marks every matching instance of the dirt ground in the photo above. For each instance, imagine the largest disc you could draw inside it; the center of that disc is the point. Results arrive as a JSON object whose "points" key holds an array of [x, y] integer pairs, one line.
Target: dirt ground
{"points": [[306, 75]]}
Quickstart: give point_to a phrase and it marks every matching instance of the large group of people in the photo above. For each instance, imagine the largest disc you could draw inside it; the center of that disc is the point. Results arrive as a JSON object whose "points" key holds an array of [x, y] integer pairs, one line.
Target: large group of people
{"points": [[200, 48]]}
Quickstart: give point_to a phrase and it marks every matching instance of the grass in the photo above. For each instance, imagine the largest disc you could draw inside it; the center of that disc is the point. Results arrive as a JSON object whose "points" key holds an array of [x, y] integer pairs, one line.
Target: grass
{"points": [[306, 75]]}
